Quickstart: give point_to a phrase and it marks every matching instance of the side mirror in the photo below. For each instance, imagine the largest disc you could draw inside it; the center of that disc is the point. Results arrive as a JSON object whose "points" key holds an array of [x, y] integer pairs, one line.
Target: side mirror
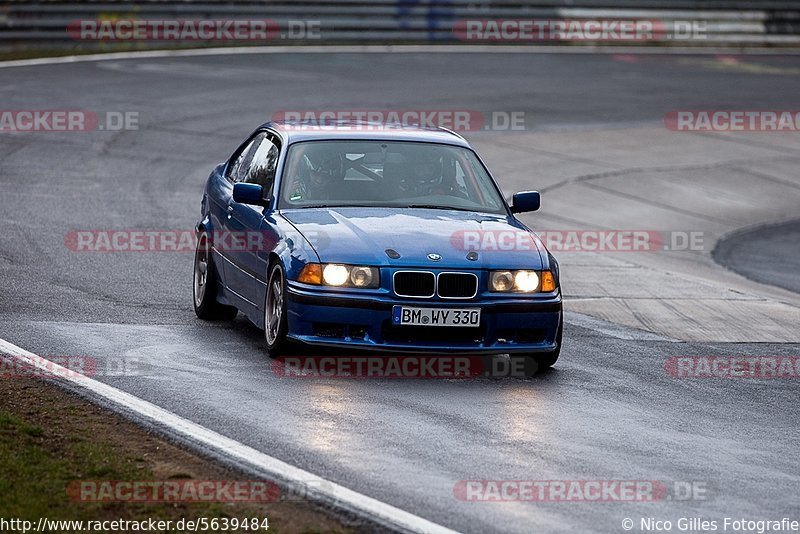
{"points": [[526, 201], [252, 194]]}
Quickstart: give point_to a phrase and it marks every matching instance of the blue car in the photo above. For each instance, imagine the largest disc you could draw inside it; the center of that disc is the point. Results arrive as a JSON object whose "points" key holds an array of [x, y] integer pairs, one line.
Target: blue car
{"points": [[378, 237]]}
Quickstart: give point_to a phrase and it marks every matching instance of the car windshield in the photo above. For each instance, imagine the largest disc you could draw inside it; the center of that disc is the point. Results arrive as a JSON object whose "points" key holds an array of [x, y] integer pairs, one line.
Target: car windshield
{"points": [[386, 174]]}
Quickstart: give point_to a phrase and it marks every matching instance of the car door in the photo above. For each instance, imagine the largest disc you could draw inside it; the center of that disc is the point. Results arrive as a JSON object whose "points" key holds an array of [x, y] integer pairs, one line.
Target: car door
{"points": [[219, 197], [243, 223], [263, 173], [230, 229]]}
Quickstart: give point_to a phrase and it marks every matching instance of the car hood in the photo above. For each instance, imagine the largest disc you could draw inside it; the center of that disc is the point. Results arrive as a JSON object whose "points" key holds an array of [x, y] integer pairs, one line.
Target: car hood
{"points": [[362, 235]]}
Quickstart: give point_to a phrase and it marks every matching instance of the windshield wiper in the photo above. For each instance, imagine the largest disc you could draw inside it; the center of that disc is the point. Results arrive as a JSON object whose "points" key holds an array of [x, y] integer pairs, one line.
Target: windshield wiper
{"points": [[420, 206], [437, 207], [326, 206]]}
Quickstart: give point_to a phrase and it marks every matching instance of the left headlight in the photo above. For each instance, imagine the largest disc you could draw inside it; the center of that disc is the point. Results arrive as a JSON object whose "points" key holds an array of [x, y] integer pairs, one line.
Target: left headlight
{"points": [[339, 275], [522, 281]]}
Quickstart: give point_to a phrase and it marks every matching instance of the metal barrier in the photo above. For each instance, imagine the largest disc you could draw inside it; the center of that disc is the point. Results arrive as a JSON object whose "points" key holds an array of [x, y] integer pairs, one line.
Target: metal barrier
{"points": [[719, 22]]}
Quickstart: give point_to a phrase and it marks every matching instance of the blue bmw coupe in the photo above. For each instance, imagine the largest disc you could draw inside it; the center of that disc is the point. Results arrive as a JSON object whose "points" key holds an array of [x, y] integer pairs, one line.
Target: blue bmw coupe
{"points": [[379, 237]]}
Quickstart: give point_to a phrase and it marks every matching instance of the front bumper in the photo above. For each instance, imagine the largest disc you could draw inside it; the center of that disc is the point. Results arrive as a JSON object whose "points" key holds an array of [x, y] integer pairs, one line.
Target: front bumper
{"points": [[508, 325]]}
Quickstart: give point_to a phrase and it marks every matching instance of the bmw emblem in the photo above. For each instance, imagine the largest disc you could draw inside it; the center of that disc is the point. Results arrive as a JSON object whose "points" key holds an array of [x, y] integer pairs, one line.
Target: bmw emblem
{"points": [[434, 257]]}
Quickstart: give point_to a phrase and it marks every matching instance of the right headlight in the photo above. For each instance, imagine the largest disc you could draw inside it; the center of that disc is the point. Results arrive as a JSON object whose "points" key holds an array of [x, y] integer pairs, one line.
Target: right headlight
{"points": [[522, 281]]}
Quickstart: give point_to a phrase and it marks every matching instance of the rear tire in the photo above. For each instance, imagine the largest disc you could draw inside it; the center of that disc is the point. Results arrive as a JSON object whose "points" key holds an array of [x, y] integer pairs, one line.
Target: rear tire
{"points": [[205, 285]]}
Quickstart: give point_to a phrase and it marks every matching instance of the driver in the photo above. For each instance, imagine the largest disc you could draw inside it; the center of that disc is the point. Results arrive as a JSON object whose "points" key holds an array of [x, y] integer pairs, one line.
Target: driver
{"points": [[316, 176], [426, 172]]}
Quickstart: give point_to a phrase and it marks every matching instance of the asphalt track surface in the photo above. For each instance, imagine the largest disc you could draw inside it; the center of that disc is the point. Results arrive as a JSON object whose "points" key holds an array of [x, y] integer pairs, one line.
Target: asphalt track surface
{"points": [[594, 143], [767, 254]]}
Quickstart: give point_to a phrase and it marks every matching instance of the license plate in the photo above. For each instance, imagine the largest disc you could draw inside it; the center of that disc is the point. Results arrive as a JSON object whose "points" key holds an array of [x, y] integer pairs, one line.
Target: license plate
{"points": [[407, 315]]}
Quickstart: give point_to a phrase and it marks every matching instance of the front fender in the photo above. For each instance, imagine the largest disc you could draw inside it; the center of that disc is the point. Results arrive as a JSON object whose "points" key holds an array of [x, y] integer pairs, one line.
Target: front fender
{"points": [[291, 249]]}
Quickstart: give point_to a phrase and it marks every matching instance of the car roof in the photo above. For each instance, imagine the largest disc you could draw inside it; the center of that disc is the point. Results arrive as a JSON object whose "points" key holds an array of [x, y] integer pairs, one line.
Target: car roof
{"points": [[297, 131]]}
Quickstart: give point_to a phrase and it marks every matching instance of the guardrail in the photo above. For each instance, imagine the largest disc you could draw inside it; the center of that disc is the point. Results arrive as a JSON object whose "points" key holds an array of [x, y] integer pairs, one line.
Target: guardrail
{"points": [[721, 22]]}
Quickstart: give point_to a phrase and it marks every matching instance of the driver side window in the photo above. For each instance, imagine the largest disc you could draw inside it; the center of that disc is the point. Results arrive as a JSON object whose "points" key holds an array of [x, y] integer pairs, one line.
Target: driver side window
{"points": [[263, 164], [237, 171]]}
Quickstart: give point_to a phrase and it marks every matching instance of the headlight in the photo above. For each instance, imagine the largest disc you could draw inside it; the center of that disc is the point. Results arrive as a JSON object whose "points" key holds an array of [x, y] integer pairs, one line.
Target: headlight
{"points": [[522, 281], [501, 281], [338, 275], [335, 275], [526, 281], [361, 276]]}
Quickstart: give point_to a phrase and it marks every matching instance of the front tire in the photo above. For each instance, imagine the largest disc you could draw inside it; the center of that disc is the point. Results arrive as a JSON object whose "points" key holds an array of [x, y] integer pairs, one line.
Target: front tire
{"points": [[275, 321], [534, 363], [205, 285], [548, 359]]}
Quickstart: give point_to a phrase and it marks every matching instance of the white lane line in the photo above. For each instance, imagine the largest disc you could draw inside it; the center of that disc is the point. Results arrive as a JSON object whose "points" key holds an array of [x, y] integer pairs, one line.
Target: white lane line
{"points": [[402, 49], [316, 488]]}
